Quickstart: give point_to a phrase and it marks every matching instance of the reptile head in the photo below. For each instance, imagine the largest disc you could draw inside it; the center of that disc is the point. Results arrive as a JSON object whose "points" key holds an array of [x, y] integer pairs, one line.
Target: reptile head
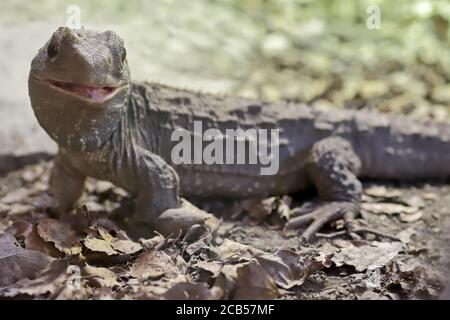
{"points": [[79, 86]]}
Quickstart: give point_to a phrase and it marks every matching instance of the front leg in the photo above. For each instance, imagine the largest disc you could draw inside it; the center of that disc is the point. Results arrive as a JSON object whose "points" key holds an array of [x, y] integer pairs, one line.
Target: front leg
{"points": [[332, 166], [65, 185], [158, 204], [155, 184]]}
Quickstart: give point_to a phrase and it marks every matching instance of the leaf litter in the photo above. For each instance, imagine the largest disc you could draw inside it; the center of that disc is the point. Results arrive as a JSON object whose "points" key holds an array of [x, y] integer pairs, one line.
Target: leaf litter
{"points": [[245, 256]]}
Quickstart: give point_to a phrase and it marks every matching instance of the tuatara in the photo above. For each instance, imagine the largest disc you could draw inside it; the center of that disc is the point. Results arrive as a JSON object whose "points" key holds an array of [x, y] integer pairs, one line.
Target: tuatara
{"points": [[110, 128]]}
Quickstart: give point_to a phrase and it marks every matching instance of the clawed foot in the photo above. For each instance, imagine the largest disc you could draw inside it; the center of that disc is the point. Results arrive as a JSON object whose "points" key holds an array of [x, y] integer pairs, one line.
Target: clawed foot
{"points": [[319, 214], [187, 220]]}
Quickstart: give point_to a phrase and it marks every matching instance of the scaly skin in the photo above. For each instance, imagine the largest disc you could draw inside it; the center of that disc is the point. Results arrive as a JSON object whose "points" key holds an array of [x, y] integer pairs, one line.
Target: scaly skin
{"points": [[111, 129]]}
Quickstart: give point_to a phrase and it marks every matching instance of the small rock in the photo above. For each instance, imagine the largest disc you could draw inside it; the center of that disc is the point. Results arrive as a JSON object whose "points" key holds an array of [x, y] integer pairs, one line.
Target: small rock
{"points": [[430, 196], [21, 209], [381, 192], [4, 209], [102, 186], [412, 201], [15, 196], [94, 207], [33, 173], [406, 234], [388, 208], [405, 217]]}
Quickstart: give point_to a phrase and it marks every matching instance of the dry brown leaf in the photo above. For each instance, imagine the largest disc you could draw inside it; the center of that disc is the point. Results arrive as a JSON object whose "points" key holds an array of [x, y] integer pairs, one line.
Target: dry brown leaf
{"points": [[102, 277], [367, 256], [17, 263], [254, 282], [124, 244], [226, 279], [20, 228], [99, 245], [325, 253], [99, 241], [48, 281], [273, 210], [248, 280], [411, 277], [211, 267], [182, 218], [153, 265], [287, 268], [151, 243], [60, 234], [192, 248], [105, 223], [33, 241], [259, 209], [231, 249], [105, 234]]}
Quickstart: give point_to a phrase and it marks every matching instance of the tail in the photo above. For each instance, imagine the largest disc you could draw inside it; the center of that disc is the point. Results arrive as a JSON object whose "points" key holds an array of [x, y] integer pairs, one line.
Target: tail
{"points": [[398, 147]]}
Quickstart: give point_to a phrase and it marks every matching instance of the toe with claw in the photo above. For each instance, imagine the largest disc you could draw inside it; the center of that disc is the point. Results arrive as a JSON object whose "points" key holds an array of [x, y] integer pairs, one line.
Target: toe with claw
{"points": [[318, 215]]}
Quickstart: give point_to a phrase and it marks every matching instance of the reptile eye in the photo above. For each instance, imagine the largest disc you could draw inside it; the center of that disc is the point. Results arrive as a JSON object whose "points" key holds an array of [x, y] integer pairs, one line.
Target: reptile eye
{"points": [[124, 55], [52, 51]]}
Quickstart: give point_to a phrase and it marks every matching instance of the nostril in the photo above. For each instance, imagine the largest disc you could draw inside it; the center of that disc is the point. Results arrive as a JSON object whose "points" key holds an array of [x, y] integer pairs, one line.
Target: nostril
{"points": [[52, 50]]}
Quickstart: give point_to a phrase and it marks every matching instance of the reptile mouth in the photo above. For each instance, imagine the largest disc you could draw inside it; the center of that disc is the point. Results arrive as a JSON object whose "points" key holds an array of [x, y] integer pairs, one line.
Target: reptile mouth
{"points": [[91, 93]]}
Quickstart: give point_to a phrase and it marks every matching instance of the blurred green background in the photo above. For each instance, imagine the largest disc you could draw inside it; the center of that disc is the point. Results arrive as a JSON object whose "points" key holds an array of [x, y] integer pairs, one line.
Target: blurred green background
{"points": [[319, 52]]}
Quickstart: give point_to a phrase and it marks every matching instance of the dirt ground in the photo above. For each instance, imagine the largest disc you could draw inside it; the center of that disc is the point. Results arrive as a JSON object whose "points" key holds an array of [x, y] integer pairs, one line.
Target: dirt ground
{"points": [[91, 253]]}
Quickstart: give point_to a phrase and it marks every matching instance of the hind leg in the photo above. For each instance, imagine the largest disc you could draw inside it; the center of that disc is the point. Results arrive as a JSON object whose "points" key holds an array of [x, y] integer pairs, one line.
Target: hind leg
{"points": [[332, 166]]}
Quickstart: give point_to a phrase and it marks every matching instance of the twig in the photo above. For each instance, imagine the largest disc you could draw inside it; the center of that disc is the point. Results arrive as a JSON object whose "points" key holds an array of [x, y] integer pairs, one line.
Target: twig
{"points": [[360, 231]]}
